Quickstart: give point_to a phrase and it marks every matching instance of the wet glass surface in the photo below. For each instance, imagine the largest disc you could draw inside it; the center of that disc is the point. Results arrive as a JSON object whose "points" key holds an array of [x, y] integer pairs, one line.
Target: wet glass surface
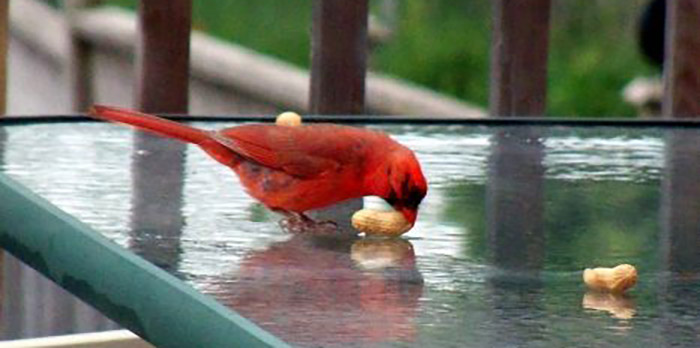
{"points": [[513, 215]]}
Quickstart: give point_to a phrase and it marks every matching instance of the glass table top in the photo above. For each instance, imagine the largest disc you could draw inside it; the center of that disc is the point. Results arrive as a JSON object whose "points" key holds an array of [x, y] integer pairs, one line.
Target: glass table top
{"points": [[512, 217]]}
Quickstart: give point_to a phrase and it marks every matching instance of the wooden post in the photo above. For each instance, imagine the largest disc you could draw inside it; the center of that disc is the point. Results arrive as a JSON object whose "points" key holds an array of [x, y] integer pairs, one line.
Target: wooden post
{"points": [[338, 57], [682, 65], [80, 74], [80, 70], [4, 19], [4, 22], [163, 55], [519, 57]]}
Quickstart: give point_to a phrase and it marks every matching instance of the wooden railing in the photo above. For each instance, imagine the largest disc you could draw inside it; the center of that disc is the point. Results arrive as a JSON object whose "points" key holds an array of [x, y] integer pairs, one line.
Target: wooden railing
{"points": [[339, 84], [519, 53], [519, 56]]}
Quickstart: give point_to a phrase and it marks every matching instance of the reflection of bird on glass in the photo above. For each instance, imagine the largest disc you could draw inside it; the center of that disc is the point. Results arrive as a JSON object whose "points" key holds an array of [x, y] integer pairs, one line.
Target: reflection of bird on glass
{"points": [[296, 169], [320, 291], [385, 255]]}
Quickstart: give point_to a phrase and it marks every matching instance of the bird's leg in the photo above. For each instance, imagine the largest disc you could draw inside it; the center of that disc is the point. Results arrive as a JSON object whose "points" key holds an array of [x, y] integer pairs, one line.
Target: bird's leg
{"points": [[307, 219], [300, 223]]}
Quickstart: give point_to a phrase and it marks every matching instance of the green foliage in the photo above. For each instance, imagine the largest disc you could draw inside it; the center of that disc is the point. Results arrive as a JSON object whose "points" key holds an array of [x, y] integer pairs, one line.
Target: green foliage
{"points": [[445, 45], [593, 55], [278, 28]]}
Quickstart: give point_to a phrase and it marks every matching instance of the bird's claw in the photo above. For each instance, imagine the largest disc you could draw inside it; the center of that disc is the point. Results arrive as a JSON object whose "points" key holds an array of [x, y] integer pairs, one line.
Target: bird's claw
{"points": [[299, 223]]}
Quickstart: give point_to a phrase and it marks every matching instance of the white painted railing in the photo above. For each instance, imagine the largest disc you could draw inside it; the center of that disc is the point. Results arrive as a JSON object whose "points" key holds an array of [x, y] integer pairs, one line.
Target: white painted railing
{"points": [[107, 339]]}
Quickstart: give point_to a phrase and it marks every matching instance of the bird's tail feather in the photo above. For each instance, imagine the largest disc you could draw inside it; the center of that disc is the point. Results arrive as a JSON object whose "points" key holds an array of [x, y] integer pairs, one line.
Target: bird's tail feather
{"points": [[150, 123]]}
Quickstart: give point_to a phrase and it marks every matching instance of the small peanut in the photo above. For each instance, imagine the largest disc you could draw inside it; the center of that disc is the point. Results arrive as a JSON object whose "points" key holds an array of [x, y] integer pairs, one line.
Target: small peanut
{"points": [[383, 223], [288, 118], [615, 280]]}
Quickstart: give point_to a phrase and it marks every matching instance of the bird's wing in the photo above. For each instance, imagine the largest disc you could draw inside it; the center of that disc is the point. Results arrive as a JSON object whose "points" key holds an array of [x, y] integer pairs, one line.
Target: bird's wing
{"points": [[304, 151]]}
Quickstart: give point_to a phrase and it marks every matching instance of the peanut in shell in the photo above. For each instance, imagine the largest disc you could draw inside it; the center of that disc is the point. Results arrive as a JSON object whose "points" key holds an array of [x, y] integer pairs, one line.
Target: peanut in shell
{"points": [[380, 223], [289, 119], [615, 280]]}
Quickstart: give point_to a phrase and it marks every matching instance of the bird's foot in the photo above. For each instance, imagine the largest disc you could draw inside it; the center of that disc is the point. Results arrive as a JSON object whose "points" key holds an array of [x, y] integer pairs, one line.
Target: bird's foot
{"points": [[297, 223]]}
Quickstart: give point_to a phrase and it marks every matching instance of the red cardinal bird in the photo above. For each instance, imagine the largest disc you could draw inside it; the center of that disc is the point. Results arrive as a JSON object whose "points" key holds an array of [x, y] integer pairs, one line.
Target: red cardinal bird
{"points": [[296, 169]]}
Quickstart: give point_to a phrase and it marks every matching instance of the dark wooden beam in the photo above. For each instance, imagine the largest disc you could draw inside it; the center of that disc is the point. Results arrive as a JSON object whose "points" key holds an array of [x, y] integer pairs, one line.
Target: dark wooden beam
{"points": [[4, 23], [338, 57], [519, 49], [682, 65], [163, 55], [80, 61], [81, 73]]}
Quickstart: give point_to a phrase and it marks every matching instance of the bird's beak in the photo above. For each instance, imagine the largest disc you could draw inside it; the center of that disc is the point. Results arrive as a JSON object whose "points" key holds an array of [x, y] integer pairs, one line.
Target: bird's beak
{"points": [[409, 213]]}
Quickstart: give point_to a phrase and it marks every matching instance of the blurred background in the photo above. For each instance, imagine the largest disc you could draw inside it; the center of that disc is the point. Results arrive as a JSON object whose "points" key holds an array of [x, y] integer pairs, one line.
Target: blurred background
{"points": [[444, 45]]}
